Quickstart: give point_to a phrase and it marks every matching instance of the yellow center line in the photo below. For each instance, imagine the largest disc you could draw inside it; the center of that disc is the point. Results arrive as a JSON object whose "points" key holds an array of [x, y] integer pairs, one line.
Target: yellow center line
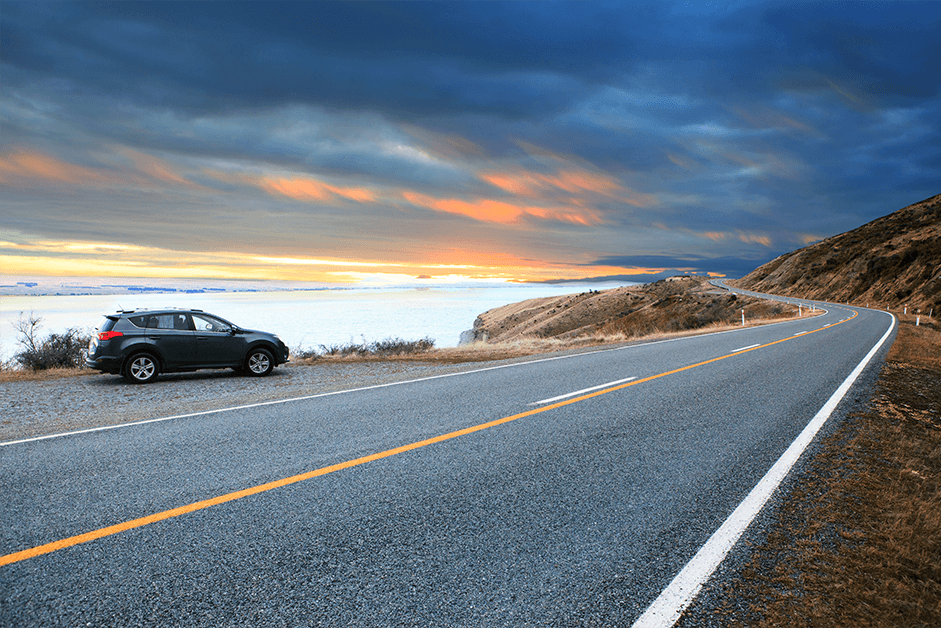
{"points": [[47, 548]]}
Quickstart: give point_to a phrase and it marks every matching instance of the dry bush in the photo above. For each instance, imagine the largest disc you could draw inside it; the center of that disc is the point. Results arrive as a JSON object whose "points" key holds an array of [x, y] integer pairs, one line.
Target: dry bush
{"points": [[379, 349], [55, 351]]}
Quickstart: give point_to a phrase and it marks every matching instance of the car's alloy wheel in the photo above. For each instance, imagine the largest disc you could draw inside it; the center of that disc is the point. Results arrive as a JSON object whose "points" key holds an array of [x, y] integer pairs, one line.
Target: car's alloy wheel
{"points": [[260, 362], [141, 369]]}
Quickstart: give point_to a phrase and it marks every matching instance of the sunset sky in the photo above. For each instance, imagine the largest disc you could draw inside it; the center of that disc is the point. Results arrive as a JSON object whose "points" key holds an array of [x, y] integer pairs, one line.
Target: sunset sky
{"points": [[400, 143]]}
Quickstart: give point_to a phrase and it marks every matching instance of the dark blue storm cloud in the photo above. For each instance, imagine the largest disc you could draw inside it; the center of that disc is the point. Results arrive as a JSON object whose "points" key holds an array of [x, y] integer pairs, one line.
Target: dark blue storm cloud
{"points": [[444, 58], [735, 131]]}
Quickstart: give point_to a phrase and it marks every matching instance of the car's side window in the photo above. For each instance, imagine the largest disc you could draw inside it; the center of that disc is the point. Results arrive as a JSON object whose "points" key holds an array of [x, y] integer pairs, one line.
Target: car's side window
{"points": [[182, 322], [209, 323], [161, 321]]}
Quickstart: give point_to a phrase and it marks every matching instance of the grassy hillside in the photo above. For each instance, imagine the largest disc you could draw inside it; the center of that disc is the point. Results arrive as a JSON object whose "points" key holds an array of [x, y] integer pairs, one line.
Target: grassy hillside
{"points": [[891, 262], [671, 305]]}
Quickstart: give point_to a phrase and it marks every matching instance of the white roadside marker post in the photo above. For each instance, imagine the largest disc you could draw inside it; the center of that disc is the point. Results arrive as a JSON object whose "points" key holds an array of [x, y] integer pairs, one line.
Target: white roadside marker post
{"points": [[743, 318], [917, 321]]}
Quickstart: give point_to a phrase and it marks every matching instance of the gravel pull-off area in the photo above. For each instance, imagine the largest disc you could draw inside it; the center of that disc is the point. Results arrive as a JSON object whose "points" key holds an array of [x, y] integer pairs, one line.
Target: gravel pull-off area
{"points": [[38, 408]]}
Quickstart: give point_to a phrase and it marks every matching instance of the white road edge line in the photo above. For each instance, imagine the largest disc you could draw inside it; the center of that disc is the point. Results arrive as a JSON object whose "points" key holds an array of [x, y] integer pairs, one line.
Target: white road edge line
{"points": [[665, 611], [581, 392], [745, 348], [105, 428]]}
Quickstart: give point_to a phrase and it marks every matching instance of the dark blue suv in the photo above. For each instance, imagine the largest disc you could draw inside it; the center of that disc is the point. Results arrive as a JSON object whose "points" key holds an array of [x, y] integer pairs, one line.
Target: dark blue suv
{"points": [[142, 344]]}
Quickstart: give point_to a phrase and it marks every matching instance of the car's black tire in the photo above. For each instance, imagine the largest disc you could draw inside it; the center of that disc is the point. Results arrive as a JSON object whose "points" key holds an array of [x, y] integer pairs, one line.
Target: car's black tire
{"points": [[141, 368], [259, 362]]}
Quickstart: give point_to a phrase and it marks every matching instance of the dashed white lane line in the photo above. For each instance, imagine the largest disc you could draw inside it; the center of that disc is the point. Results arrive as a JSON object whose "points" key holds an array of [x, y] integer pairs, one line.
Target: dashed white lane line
{"points": [[745, 348], [581, 392], [801, 333]]}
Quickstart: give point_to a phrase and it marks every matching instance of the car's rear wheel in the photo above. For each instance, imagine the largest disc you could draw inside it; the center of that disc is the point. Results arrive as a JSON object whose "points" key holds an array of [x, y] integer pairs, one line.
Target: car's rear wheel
{"points": [[259, 362], [141, 368]]}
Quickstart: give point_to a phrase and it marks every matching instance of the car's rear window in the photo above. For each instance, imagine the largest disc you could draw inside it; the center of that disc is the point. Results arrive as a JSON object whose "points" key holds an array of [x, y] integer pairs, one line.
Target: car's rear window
{"points": [[107, 324]]}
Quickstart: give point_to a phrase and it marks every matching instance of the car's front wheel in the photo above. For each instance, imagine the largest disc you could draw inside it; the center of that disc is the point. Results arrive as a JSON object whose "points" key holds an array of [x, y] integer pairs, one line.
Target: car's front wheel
{"points": [[141, 369], [259, 362]]}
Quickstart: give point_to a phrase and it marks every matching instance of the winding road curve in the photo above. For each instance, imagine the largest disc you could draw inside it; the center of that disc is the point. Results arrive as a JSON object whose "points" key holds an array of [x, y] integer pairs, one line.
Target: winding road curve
{"points": [[569, 490]]}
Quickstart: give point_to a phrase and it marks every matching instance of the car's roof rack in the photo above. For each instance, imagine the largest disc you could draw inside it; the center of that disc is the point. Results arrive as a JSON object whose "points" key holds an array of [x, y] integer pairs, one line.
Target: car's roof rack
{"points": [[162, 309]]}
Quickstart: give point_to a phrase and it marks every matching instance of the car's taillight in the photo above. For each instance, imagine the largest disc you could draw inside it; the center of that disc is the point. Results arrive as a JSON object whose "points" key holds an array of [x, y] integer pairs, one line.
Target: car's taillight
{"points": [[108, 335]]}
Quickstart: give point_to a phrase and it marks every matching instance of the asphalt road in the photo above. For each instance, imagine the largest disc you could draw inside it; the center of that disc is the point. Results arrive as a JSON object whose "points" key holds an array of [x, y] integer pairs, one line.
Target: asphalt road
{"points": [[552, 510]]}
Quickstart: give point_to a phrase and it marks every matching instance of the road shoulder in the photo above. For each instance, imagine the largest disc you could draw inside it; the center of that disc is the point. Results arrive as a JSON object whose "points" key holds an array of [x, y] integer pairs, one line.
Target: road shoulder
{"points": [[854, 537]]}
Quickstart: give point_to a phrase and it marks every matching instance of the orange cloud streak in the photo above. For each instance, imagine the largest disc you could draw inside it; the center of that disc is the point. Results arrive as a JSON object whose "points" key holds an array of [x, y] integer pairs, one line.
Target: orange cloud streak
{"points": [[750, 238], [27, 167], [757, 239], [309, 189], [525, 183], [488, 210], [22, 167], [520, 185], [154, 167], [574, 181]]}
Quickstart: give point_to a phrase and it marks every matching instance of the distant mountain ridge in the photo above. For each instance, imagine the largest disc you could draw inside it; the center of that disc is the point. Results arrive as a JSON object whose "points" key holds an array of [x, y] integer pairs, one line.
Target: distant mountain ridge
{"points": [[893, 261]]}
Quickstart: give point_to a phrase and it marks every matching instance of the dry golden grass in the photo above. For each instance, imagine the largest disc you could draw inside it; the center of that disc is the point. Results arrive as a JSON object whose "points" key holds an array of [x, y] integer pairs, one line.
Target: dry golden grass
{"points": [[859, 541], [26, 375], [678, 304], [920, 344]]}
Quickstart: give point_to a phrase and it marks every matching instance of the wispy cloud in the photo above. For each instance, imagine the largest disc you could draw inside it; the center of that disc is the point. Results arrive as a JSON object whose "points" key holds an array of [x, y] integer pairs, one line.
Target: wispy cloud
{"points": [[310, 189], [118, 167], [502, 212], [24, 167]]}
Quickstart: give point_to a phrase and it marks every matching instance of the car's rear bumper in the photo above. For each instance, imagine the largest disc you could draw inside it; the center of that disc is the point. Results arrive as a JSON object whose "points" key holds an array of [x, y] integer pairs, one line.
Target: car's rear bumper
{"points": [[105, 364]]}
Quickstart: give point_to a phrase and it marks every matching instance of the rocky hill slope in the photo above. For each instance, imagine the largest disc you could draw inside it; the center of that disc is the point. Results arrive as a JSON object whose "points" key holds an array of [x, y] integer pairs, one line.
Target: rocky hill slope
{"points": [[670, 305], [893, 261]]}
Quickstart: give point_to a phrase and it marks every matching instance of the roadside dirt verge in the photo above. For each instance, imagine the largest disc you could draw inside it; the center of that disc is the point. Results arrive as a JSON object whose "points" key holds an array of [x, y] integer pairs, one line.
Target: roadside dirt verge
{"points": [[858, 541]]}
